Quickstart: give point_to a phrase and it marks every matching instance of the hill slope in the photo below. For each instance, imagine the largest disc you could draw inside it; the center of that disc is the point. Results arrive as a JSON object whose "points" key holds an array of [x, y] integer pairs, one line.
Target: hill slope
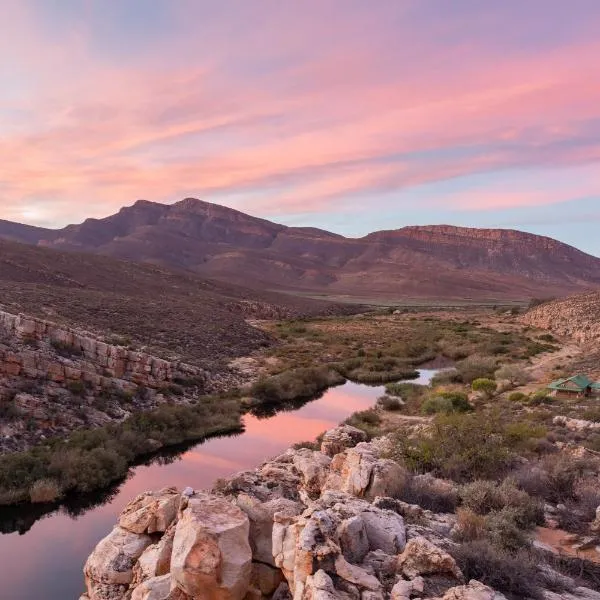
{"points": [[173, 314], [428, 262], [577, 317]]}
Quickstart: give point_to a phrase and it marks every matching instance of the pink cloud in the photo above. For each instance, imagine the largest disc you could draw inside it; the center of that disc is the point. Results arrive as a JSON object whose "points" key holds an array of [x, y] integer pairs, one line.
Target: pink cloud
{"points": [[329, 123]]}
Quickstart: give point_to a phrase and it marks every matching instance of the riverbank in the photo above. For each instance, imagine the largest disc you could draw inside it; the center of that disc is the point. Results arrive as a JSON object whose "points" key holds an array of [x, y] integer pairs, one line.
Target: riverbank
{"points": [[374, 348], [342, 521]]}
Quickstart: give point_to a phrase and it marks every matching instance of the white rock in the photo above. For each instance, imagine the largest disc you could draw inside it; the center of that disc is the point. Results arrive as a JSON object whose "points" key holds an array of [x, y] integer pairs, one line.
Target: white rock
{"points": [[211, 556]]}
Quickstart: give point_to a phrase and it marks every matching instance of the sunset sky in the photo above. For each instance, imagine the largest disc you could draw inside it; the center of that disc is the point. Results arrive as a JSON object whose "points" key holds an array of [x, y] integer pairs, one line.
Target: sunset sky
{"points": [[351, 115]]}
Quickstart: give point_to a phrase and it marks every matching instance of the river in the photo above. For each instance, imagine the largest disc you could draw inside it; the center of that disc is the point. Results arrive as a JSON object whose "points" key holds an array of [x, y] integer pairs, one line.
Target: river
{"points": [[45, 559]]}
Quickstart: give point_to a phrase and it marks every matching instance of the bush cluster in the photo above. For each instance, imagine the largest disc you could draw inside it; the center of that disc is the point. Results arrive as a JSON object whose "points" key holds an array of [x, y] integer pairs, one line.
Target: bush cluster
{"points": [[92, 459]]}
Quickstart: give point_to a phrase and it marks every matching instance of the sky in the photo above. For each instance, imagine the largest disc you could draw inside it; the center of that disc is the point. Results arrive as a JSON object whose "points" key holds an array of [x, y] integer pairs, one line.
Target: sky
{"points": [[350, 115]]}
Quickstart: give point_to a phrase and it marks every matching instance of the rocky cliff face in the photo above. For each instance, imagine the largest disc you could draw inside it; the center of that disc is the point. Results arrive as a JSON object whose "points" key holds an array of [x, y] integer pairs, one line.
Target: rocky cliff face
{"points": [[434, 261], [577, 317], [307, 525], [54, 379]]}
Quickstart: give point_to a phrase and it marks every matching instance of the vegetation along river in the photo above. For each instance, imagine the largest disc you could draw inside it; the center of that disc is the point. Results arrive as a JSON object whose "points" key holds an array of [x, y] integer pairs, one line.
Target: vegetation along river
{"points": [[43, 555]]}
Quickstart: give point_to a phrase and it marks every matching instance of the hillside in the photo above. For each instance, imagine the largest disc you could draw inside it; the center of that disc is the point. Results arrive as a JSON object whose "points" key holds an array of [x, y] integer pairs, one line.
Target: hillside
{"points": [[412, 262], [174, 314], [576, 317]]}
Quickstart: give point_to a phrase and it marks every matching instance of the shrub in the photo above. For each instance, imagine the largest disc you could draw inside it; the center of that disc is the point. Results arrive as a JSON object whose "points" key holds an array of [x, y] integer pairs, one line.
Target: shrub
{"points": [[76, 387], [540, 397], [476, 367], [485, 386], [469, 526], [459, 446], [390, 403], [510, 573], [295, 384], [504, 531], [515, 374], [406, 391], [45, 490], [446, 402], [517, 397], [367, 420], [430, 495], [554, 478], [9, 411], [484, 497]]}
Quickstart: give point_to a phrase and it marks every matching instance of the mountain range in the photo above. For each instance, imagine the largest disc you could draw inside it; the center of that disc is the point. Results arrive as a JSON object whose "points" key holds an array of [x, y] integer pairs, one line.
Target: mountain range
{"points": [[437, 261]]}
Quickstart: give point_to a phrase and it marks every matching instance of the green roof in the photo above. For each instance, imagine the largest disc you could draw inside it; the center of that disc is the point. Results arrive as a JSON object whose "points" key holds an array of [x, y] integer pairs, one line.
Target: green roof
{"points": [[581, 382]]}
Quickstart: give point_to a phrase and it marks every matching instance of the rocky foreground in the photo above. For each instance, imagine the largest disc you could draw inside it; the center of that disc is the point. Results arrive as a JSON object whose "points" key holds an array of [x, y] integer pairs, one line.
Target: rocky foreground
{"points": [[307, 525]]}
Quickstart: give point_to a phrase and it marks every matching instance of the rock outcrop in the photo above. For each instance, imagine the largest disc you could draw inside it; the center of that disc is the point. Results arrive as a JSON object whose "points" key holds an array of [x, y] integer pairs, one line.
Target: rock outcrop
{"points": [[576, 317], [305, 525]]}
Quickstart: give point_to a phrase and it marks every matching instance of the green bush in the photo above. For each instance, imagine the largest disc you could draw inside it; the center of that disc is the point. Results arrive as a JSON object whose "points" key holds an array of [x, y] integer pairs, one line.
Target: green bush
{"points": [[484, 497], [517, 397], [295, 384], [367, 420], [459, 446], [92, 459], [446, 402], [485, 386], [406, 391]]}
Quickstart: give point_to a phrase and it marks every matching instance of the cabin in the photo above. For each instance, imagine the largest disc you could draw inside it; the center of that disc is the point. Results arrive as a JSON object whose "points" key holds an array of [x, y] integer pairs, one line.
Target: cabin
{"points": [[578, 386]]}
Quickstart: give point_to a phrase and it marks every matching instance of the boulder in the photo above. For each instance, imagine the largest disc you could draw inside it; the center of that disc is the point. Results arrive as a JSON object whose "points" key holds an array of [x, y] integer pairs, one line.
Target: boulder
{"points": [[314, 469], [111, 563], [385, 530], [211, 556], [422, 557], [157, 588], [358, 471], [151, 512], [356, 575], [261, 516], [337, 440], [353, 539], [319, 587], [473, 591]]}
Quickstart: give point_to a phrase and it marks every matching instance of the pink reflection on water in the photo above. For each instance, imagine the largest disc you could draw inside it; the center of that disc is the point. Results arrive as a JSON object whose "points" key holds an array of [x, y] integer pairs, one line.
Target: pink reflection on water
{"points": [[47, 561]]}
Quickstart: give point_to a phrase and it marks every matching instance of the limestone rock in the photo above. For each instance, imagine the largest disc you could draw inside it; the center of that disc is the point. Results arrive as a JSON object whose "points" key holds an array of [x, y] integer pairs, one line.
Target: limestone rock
{"points": [[385, 530], [319, 587], [358, 471], [151, 512], [158, 588], [473, 591], [314, 469], [357, 575], [338, 439], [353, 539], [112, 561], [261, 515], [422, 557], [211, 556]]}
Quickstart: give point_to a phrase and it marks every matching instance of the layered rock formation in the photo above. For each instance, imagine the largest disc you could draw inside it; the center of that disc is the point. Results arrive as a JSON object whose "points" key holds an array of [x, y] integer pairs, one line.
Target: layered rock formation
{"points": [[307, 525], [96, 361], [55, 379]]}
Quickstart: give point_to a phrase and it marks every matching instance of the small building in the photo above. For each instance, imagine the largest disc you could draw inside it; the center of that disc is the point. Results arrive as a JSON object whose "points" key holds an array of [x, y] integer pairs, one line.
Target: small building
{"points": [[578, 386]]}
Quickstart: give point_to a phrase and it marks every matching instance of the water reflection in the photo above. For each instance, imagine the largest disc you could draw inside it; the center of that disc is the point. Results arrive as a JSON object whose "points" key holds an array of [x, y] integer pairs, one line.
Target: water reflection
{"points": [[43, 557]]}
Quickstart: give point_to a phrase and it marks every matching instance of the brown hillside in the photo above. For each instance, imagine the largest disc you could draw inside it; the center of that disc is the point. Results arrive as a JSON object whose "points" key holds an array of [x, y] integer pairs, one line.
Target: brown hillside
{"points": [[426, 262], [173, 314]]}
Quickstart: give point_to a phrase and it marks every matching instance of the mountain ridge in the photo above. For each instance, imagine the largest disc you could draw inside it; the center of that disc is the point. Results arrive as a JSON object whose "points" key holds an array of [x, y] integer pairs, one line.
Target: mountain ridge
{"points": [[413, 261]]}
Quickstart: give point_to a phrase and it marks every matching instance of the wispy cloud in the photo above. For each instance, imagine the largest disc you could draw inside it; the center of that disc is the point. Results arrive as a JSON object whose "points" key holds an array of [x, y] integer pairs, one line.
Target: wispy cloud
{"points": [[296, 115]]}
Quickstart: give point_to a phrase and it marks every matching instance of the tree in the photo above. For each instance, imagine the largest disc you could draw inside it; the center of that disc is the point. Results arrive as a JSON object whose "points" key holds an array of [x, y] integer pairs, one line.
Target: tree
{"points": [[485, 386], [514, 374]]}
